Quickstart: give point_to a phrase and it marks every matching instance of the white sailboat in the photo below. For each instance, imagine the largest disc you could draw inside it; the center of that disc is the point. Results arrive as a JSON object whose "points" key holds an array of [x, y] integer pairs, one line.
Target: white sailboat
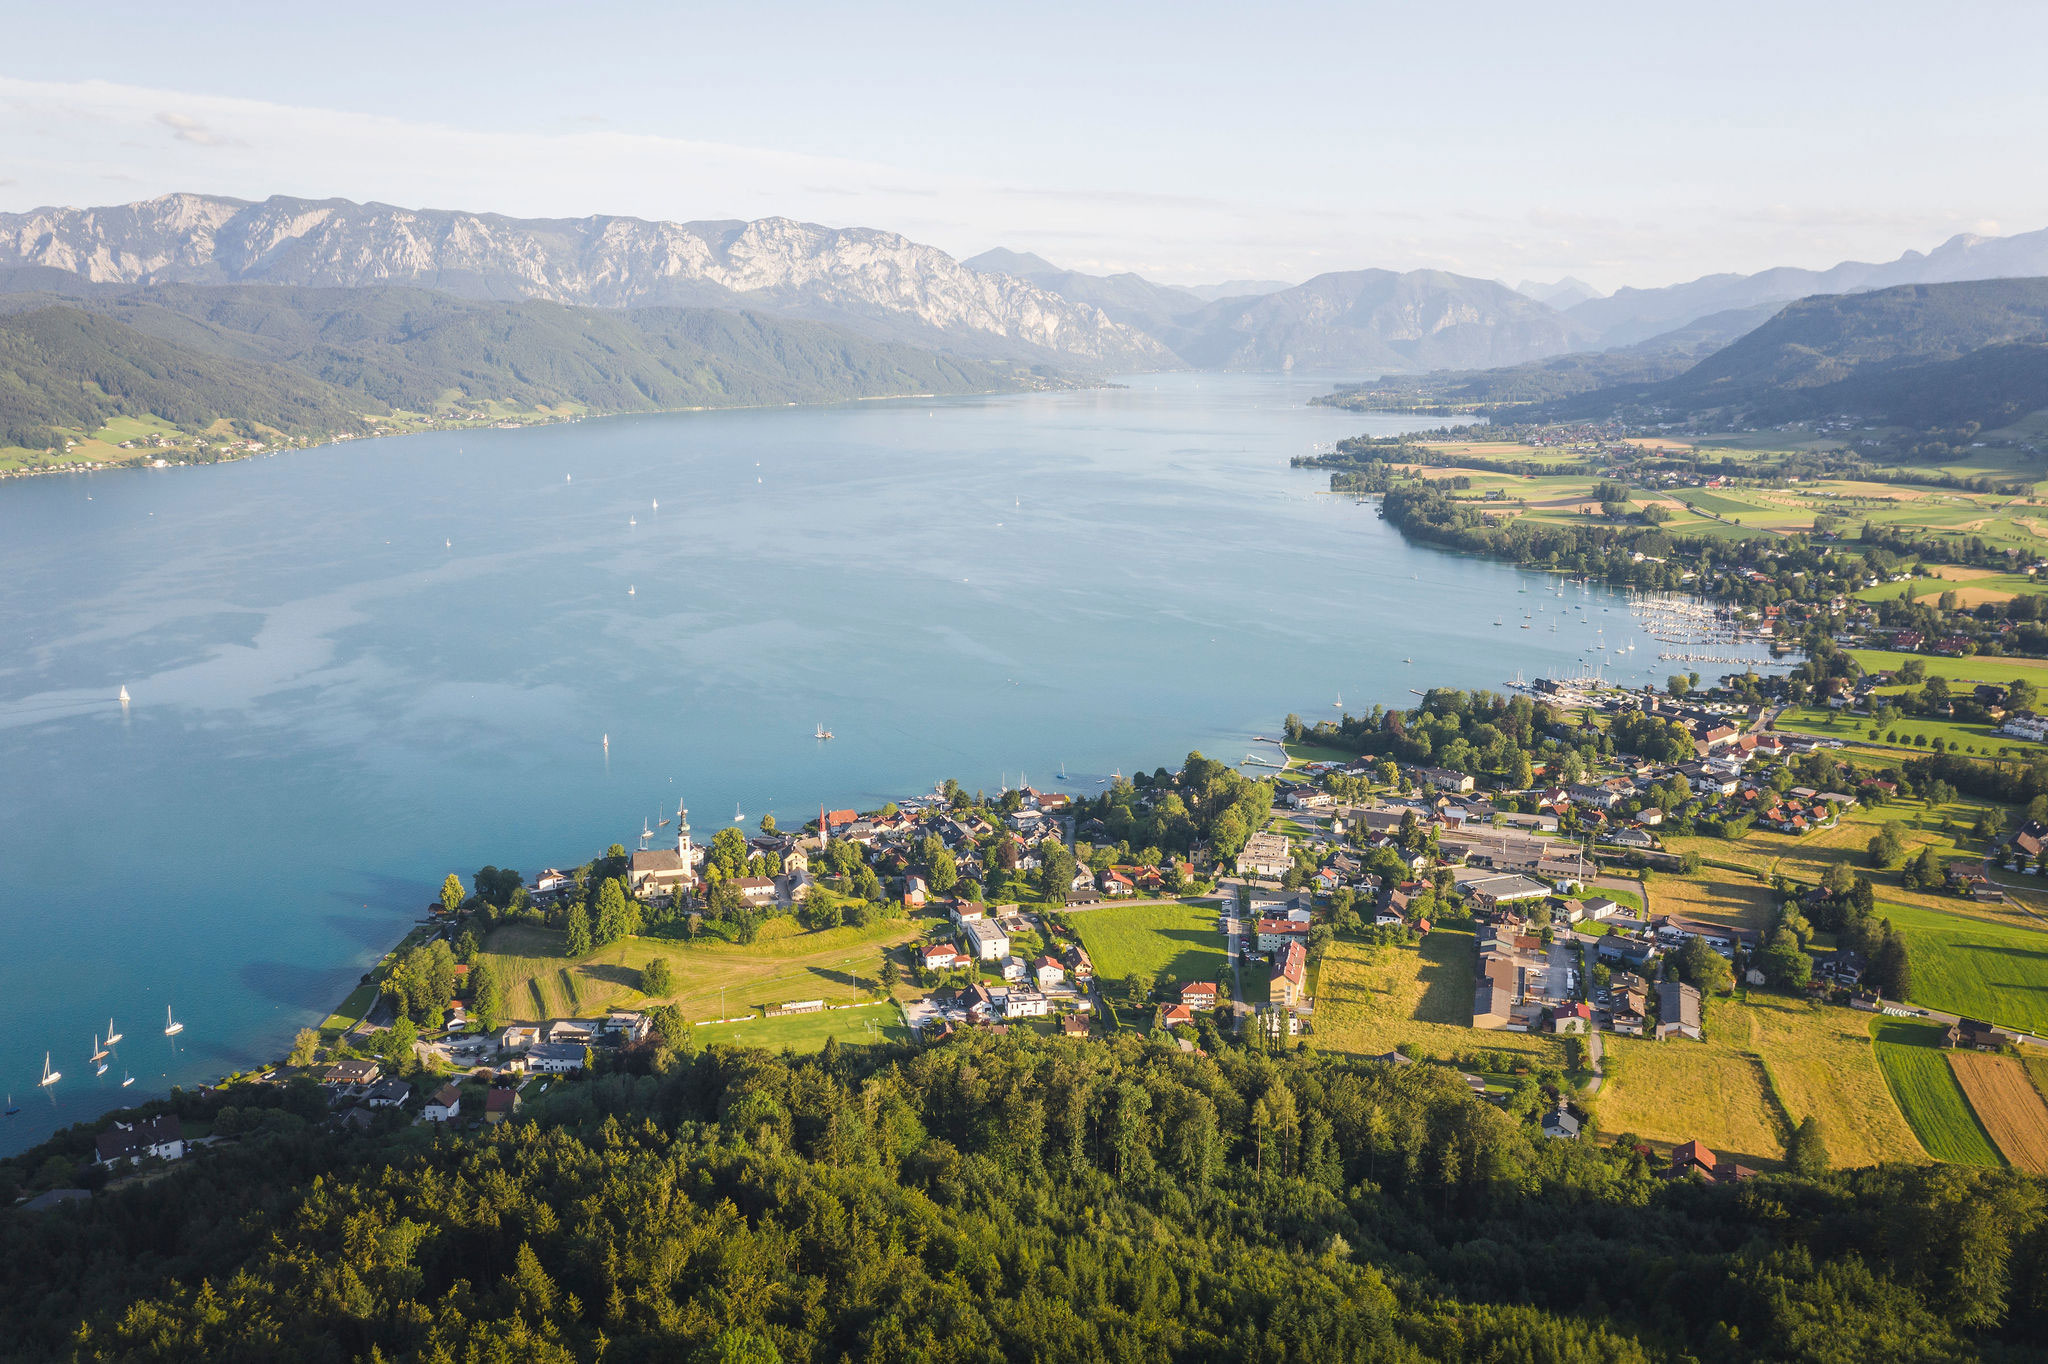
{"points": [[1339, 702], [657, 504], [823, 733], [126, 1079], [737, 817], [632, 520], [631, 590], [172, 1027], [50, 1077], [99, 1053], [112, 1036], [124, 693]]}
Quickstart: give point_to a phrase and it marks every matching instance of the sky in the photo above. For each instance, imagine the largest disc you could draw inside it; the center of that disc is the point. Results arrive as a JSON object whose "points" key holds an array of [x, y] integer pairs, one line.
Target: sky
{"points": [[1193, 143]]}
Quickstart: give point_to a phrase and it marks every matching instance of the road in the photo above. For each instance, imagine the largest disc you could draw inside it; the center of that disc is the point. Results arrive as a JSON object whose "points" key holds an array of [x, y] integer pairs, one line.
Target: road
{"points": [[1595, 1054]]}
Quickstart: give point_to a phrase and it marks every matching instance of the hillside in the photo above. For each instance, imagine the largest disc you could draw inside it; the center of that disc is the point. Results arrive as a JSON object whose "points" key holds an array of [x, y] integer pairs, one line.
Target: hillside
{"points": [[311, 362], [1016, 1198], [1497, 391], [1918, 356], [1630, 315], [878, 283]]}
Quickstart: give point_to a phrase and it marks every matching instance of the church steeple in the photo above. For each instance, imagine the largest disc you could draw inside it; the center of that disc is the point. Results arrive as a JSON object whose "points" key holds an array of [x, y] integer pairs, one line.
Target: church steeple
{"points": [[683, 834]]}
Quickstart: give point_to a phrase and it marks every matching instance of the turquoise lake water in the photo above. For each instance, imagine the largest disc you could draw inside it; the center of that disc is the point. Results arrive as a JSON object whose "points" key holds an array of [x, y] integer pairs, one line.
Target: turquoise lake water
{"points": [[356, 669]]}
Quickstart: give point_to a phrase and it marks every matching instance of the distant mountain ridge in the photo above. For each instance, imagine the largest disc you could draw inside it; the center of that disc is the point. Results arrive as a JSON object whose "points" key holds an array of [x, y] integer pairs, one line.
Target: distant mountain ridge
{"points": [[877, 282], [1630, 315]]}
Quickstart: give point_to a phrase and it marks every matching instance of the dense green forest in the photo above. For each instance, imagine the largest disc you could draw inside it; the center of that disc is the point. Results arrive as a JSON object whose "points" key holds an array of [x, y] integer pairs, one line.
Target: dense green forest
{"points": [[1012, 1198], [313, 361]]}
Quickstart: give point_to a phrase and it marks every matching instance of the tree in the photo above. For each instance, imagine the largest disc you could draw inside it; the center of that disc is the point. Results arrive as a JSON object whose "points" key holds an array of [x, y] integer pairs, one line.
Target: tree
{"points": [[727, 856], [486, 996], [1677, 684], [452, 894], [768, 825], [1887, 845], [1807, 1152], [422, 982], [1704, 968], [306, 1046], [657, 977], [577, 939], [613, 919], [944, 872], [819, 911], [1138, 988], [395, 1044], [890, 974]]}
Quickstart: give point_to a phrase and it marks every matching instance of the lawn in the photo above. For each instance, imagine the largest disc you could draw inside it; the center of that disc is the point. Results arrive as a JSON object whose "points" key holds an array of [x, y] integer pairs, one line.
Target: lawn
{"points": [[2008, 1106], [1902, 731], [1820, 1064], [1175, 941], [784, 963], [1978, 668], [880, 1022], [1734, 903], [1680, 1091], [1371, 1001], [1916, 1067], [350, 1010], [1966, 965]]}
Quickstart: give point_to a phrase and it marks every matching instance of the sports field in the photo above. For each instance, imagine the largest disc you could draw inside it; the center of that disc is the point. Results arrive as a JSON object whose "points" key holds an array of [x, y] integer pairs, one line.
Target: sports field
{"points": [[1175, 941], [2008, 1105], [1370, 1001], [1915, 1065], [785, 963], [880, 1022]]}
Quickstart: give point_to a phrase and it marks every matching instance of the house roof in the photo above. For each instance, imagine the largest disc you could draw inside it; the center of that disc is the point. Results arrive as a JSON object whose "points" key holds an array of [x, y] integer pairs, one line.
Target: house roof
{"points": [[1293, 963]]}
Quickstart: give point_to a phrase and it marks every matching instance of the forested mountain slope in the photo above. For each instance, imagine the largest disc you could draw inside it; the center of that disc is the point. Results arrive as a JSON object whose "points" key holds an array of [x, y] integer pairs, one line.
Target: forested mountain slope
{"points": [[1003, 1199]]}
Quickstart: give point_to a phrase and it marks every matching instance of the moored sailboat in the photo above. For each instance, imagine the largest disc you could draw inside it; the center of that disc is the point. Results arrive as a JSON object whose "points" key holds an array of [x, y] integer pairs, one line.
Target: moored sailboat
{"points": [[172, 1027]]}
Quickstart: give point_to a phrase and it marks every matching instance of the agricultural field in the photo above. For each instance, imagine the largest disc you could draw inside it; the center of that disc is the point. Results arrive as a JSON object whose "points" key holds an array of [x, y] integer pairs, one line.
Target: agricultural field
{"points": [[870, 1023], [1176, 941], [1972, 586], [1820, 1064], [1684, 1091], [1976, 968], [1906, 731], [1915, 1065], [784, 963], [1737, 904], [1976, 668], [1370, 1001], [2036, 1063], [2008, 1105]]}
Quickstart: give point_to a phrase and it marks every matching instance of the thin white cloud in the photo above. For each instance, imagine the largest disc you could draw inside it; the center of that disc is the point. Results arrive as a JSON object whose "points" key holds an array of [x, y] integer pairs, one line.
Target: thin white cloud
{"points": [[188, 129]]}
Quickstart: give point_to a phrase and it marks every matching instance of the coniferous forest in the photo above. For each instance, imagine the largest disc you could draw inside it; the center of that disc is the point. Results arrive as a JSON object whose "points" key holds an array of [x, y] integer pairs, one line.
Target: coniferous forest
{"points": [[1013, 1198]]}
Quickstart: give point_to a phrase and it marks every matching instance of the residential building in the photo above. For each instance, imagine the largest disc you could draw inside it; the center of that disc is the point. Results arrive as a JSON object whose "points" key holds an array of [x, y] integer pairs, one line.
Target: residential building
{"points": [[1444, 779], [1694, 1158], [571, 1031], [1561, 1124], [755, 890], [555, 1058], [1290, 976], [1571, 1018], [1678, 1011], [519, 1037], [389, 1092], [129, 1142], [1199, 995], [983, 941], [500, 1104], [1048, 973], [939, 956], [444, 1106], [1265, 855], [350, 1072], [1274, 934], [1976, 1035], [1022, 1002]]}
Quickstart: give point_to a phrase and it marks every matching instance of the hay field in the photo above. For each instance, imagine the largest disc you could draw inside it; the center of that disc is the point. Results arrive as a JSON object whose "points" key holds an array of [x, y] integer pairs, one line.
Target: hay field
{"points": [[1680, 1091], [1420, 995], [1916, 1067], [1822, 1065], [2008, 1105]]}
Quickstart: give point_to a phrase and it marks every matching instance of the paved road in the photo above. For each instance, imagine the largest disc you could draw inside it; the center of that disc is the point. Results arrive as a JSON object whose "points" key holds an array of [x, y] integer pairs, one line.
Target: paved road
{"points": [[1595, 1052]]}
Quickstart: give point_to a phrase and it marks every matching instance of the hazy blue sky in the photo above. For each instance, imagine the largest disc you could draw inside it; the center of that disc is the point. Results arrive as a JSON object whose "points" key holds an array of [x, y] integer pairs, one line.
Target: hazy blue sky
{"points": [[1628, 144]]}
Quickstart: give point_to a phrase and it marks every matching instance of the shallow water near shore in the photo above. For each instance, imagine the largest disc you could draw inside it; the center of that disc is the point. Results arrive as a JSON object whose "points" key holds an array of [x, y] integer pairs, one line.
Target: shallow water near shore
{"points": [[356, 669]]}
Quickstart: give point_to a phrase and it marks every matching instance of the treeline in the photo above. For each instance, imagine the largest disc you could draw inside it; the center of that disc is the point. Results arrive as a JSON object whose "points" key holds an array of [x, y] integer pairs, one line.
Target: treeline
{"points": [[1019, 1198]]}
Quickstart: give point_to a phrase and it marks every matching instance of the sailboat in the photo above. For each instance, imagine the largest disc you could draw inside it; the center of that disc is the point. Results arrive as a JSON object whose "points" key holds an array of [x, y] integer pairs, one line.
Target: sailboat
{"points": [[99, 1053], [172, 1027], [12, 1107], [112, 1036], [50, 1077], [1339, 702], [631, 590], [645, 832], [737, 817], [1063, 771], [126, 1079], [657, 504], [823, 733], [124, 693], [632, 520]]}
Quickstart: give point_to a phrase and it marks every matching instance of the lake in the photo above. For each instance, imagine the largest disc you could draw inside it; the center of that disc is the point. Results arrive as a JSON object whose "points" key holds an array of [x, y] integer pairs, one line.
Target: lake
{"points": [[358, 668]]}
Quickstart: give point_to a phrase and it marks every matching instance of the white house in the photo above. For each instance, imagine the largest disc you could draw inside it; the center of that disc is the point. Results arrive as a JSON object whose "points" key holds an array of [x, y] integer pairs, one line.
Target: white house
{"points": [[162, 1136], [1049, 973], [1023, 1003], [445, 1106], [555, 1058], [1013, 968], [984, 941]]}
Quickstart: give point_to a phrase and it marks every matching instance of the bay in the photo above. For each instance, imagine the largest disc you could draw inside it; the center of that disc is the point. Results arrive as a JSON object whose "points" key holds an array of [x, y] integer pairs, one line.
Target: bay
{"points": [[356, 669]]}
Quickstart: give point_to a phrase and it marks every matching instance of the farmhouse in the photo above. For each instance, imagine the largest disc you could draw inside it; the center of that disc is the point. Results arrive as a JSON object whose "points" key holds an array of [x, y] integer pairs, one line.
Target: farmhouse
{"points": [[1694, 1158]]}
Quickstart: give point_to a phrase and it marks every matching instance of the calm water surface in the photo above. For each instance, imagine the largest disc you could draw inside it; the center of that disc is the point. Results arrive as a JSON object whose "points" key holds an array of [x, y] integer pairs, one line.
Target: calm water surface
{"points": [[356, 669]]}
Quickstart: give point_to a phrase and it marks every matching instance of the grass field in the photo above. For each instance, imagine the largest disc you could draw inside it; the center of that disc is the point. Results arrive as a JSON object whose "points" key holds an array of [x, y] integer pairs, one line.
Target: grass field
{"points": [[1915, 1065], [784, 963], [1175, 942], [2036, 1063], [1420, 995], [1737, 904], [1965, 965], [1820, 1064], [1902, 731], [879, 1022], [1980, 668], [2008, 1105], [351, 1009], [1687, 1091]]}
